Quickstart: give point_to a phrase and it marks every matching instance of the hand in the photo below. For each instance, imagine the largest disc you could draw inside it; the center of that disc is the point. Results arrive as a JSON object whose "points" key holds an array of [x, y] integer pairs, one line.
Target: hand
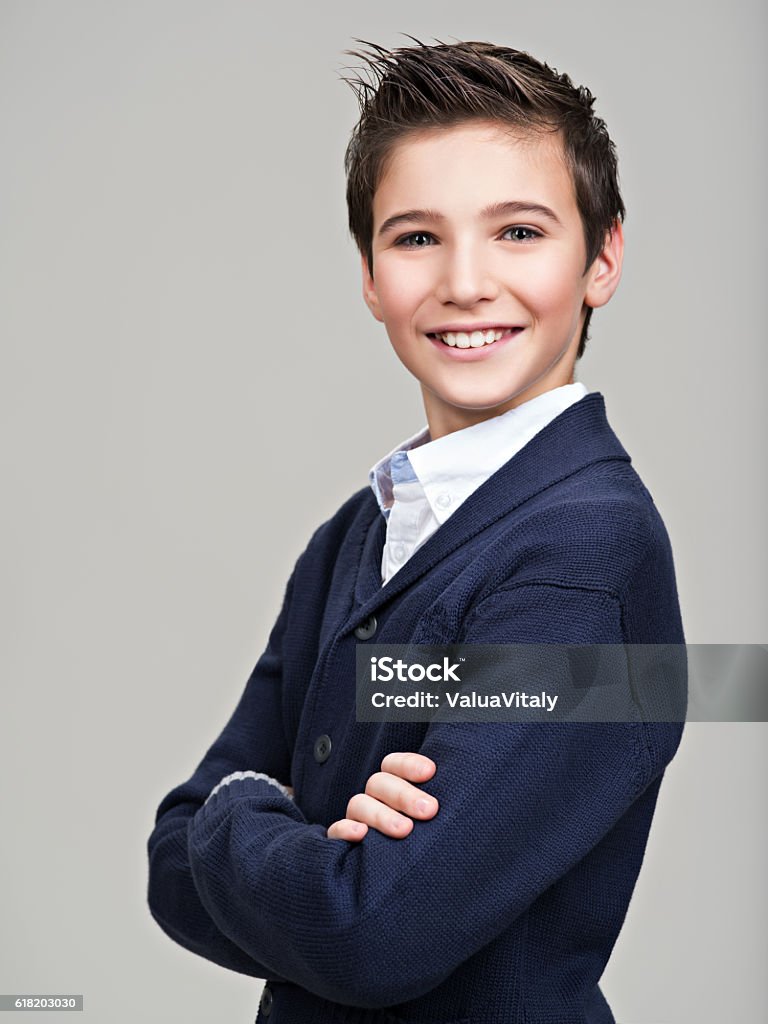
{"points": [[387, 791]]}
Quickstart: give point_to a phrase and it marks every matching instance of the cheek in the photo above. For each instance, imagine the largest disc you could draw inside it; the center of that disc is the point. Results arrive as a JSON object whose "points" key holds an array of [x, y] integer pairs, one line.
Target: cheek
{"points": [[398, 306], [552, 291], [401, 289]]}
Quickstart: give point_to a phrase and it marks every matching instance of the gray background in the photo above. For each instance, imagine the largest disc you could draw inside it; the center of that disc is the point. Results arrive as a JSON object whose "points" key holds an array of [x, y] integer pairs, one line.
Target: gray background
{"points": [[186, 394]]}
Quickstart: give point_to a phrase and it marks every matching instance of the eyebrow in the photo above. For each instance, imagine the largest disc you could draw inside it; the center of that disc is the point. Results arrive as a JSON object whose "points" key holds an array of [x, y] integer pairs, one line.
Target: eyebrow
{"points": [[513, 206]]}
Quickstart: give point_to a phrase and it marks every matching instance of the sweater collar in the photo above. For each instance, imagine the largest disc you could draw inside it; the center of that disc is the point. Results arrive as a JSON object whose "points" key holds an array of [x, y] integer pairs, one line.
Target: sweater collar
{"points": [[464, 459], [574, 439]]}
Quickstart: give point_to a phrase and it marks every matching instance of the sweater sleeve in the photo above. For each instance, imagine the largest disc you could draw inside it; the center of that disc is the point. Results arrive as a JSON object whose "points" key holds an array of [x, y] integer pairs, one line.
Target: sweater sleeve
{"points": [[252, 739], [386, 920]]}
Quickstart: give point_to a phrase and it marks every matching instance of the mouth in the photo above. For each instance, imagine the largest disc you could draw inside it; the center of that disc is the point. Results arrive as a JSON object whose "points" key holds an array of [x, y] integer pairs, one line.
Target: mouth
{"points": [[474, 339]]}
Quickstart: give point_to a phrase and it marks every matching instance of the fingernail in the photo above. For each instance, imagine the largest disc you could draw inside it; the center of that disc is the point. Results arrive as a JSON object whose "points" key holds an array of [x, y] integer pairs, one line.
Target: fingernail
{"points": [[423, 806]]}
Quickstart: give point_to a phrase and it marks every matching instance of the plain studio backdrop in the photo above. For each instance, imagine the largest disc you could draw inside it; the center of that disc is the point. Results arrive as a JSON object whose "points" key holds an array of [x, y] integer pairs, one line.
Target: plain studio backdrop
{"points": [[191, 383]]}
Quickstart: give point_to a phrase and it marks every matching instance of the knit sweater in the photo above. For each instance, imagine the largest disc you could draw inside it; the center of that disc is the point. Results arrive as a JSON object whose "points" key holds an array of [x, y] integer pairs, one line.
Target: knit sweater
{"points": [[505, 906]]}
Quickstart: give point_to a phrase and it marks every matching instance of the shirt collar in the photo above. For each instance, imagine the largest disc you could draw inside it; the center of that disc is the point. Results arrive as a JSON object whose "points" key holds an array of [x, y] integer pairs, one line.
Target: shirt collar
{"points": [[452, 467], [393, 468]]}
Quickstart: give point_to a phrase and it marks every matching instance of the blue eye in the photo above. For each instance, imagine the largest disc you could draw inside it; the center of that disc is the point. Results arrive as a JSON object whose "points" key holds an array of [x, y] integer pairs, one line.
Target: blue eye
{"points": [[524, 234], [415, 234], [531, 232]]}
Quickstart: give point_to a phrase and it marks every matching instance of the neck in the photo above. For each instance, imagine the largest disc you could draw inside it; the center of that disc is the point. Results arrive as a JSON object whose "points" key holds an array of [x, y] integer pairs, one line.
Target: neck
{"points": [[443, 418]]}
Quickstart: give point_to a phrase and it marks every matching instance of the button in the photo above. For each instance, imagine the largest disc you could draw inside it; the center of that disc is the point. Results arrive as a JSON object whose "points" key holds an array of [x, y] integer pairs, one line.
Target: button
{"points": [[368, 628], [443, 500], [266, 1001], [322, 748], [398, 553]]}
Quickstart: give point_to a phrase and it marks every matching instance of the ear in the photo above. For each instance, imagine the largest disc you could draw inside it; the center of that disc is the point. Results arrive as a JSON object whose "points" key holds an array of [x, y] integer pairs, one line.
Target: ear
{"points": [[605, 273], [369, 290]]}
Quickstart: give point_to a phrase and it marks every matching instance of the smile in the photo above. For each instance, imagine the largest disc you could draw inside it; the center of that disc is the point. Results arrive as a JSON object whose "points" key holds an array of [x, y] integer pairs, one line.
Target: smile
{"points": [[468, 347], [474, 339]]}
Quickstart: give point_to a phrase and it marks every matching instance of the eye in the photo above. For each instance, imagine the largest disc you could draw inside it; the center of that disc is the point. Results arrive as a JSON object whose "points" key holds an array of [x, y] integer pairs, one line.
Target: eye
{"points": [[519, 230], [404, 241]]}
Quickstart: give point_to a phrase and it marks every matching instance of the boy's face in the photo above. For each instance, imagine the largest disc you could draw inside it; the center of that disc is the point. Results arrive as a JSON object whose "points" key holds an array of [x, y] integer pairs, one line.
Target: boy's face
{"points": [[449, 265]]}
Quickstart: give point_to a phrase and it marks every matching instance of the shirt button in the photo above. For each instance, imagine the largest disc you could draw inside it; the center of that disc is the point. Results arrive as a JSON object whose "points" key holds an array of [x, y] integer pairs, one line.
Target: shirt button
{"points": [[443, 500], [368, 628], [398, 553], [266, 1001], [322, 748]]}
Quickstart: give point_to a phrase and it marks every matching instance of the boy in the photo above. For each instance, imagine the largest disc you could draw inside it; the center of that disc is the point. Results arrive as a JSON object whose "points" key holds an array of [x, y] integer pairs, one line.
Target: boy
{"points": [[483, 197]]}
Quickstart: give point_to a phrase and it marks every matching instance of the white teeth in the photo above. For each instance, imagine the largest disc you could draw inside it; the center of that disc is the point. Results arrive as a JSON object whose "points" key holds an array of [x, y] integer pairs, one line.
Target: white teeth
{"points": [[461, 339]]}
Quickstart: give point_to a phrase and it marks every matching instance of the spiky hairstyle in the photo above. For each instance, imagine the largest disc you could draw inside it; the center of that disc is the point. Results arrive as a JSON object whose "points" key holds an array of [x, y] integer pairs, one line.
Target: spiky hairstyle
{"points": [[410, 89]]}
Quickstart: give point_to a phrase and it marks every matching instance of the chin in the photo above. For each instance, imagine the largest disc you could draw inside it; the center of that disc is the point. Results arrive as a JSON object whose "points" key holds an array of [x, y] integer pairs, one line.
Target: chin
{"points": [[482, 403]]}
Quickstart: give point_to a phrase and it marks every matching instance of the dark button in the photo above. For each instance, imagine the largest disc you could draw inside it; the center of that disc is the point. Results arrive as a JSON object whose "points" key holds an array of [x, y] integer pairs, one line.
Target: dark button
{"points": [[322, 748], [368, 628], [266, 1001]]}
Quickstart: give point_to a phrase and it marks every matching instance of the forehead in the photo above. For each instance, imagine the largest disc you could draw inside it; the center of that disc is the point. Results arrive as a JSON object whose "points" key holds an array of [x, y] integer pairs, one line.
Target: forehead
{"points": [[461, 167]]}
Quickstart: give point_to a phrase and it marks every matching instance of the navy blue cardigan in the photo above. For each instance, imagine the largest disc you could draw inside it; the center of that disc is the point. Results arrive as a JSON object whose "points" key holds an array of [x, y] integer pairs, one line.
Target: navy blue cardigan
{"points": [[506, 905]]}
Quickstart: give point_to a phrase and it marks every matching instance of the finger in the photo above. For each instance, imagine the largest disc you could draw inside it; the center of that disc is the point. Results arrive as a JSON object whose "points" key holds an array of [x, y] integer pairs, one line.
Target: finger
{"points": [[345, 828], [400, 795], [409, 765], [363, 807]]}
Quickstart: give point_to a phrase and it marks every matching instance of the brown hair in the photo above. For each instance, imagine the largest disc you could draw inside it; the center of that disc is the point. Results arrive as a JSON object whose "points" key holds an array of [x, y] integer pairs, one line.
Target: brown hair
{"points": [[424, 86]]}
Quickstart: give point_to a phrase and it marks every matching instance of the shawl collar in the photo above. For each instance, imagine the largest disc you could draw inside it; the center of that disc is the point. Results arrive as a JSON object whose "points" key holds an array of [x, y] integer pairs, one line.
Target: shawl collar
{"points": [[578, 437]]}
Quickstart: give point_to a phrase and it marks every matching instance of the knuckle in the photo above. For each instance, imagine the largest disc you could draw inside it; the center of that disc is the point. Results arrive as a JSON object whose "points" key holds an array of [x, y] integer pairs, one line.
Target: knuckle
{"points": [[355, 804], [373, 780]]}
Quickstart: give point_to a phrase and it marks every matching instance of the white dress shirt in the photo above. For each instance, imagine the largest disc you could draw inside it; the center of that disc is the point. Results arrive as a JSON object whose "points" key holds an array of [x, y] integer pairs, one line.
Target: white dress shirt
{"points": [[419, 484]]}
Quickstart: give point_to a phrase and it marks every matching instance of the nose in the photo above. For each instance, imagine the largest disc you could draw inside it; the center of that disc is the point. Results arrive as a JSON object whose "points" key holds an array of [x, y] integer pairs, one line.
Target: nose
{"points": [[466, 276]]}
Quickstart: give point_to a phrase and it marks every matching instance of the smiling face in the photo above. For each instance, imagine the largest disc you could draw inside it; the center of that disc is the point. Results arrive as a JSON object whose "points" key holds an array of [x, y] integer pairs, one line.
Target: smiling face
{"points": [[476, 228]]}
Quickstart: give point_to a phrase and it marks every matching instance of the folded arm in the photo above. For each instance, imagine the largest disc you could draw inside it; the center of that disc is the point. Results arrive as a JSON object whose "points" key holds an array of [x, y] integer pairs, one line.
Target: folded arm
{"points": [[387, 920]]}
